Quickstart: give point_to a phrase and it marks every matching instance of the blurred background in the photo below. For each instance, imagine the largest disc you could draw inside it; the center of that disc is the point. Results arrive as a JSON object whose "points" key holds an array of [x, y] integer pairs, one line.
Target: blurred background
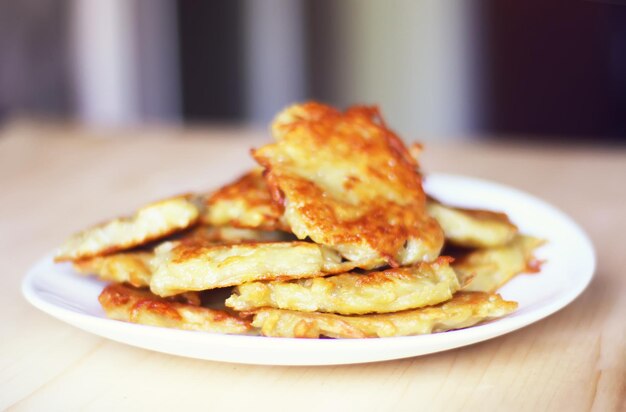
{"points": [[533, 69]]}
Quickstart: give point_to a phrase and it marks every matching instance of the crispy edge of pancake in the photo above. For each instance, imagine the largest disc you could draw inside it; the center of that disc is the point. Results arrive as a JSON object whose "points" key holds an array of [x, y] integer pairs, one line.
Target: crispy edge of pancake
{"points": [[151, 222], [244, 203], [338, 208], [463, 310], [192, 265], [492, 268], [472, 227], [385, 291], [133, 305], [133, 266]]}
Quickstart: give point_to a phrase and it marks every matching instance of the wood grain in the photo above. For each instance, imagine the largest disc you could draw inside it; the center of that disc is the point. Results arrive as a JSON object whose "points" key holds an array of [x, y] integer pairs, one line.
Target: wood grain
{"points": [[57, 179]]}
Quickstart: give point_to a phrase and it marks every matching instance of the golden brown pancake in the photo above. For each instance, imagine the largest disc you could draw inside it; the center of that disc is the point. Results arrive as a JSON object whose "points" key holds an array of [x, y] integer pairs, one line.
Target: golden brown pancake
{"points": [[191, 265], [463, 310], [153, 221], [129, 304], [385, 291], [472, 227], [491, 268], [245, 203], [348, 182], [133, 266]]}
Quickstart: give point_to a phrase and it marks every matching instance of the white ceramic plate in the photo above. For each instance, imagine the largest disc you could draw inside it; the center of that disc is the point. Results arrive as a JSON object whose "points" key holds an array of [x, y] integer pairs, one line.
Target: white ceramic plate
{"points": [[570, 262]]}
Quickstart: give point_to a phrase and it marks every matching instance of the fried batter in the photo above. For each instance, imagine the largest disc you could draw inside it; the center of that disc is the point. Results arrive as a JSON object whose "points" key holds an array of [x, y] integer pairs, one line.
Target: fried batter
{"points": [[123, 267], [199, 265], [491, 268], [154, 221], [386, 291], [463, 310], [128, 304], [133, 266], [472, 227], [245, 203], [346, 181]]}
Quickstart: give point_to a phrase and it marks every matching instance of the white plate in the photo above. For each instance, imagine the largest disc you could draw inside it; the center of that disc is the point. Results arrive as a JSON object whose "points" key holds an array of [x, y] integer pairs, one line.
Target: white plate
{"points": [[56, 290]]}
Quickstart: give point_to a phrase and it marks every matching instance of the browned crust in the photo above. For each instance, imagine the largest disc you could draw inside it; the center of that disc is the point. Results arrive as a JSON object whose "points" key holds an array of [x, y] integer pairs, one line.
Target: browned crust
{"points": [[390, 275], [140, 241], [140, 306], [465, 309], [190, 248], [251, 190], [384, 225]]}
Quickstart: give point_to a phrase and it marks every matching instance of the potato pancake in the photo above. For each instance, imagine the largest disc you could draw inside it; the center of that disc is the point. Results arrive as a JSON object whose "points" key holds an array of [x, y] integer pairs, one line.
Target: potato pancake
{"points": [[463, 310], [133, 266], [151, 222], [385, 291], [472, 227], [491, 268], [245, 203], [129, 304], [348, 182], [190, 264]]}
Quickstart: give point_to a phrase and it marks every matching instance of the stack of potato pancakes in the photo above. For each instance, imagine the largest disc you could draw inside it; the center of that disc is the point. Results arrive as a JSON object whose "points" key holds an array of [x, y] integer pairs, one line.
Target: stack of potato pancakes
{"points": [[331, 236]]}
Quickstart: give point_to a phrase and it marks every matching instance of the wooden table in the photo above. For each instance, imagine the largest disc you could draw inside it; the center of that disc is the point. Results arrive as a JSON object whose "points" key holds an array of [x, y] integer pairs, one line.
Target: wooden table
{"points": [[55, 180]]}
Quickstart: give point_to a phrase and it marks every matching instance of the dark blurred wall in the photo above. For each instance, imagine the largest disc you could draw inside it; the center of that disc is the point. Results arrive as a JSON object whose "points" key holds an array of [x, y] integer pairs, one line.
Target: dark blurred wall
{"points": [[35, 74], [545, 68], [211, 59], [323, 29], [555, 68]]}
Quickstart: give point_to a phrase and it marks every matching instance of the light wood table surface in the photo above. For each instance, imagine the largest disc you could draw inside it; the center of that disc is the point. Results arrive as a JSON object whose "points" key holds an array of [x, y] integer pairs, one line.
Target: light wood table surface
{"points": [[56, 180]]}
